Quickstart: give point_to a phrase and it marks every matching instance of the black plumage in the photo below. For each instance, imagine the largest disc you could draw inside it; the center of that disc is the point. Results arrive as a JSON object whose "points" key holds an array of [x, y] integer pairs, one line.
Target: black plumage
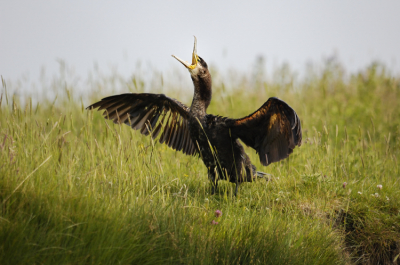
{"points": [[274, 130]]}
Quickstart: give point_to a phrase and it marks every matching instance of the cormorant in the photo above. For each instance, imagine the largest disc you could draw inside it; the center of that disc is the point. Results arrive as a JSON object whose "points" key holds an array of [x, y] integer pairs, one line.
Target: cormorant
{"points": [[273, 130]]}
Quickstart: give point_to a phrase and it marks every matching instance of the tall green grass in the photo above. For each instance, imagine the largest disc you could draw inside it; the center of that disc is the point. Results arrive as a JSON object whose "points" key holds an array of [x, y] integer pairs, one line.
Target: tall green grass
{"points": [[75, 189]]}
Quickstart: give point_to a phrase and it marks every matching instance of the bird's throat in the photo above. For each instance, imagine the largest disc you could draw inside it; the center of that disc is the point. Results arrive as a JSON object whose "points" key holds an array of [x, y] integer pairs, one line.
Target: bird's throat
{"points": [[202, 96]]}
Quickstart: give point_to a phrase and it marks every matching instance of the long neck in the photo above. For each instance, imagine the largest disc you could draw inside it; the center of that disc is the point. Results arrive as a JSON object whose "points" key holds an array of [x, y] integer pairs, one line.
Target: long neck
{"points": [[202, 95]]}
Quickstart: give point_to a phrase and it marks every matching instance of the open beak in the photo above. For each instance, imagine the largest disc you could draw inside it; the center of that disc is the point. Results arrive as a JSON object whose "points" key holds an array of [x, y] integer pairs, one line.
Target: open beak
{"points": [[194, 57]]}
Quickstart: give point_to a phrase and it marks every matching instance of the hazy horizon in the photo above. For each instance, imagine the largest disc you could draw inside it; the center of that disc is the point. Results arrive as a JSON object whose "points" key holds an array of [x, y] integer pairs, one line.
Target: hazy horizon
{"points": [[120, 34]]}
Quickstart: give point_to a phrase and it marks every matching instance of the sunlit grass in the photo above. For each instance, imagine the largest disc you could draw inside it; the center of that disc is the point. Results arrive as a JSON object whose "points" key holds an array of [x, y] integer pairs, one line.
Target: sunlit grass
{"points": [[77, 189]]}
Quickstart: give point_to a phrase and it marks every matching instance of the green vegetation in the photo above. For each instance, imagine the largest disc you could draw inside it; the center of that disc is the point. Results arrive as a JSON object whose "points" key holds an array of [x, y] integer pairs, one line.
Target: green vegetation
{"points": [[75, 189]]}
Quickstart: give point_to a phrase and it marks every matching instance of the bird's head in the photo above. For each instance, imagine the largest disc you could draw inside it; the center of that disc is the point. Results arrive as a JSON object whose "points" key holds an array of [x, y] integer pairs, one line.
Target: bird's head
{"points": [[198, 68]]}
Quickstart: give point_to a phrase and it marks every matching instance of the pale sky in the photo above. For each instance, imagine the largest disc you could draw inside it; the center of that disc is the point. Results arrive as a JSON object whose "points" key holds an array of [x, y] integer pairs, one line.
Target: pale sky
{"points": [[231, 34]]}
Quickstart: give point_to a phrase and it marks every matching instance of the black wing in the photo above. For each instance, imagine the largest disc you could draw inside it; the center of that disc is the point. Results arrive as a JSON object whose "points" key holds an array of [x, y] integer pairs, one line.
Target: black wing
{"points": [[154, 114], [273, 130]]}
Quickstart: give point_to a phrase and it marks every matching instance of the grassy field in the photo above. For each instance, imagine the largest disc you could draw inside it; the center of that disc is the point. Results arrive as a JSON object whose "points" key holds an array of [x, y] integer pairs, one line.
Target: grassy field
{"points": [[75, 189]]}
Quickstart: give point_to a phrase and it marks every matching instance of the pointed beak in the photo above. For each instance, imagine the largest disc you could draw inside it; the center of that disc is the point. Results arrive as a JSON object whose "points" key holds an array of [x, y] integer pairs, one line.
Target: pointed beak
{"points": [[194, 57]]}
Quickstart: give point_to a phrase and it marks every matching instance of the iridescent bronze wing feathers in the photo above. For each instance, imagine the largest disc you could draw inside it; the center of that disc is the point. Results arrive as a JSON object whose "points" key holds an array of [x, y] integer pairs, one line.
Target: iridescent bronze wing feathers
{"points": [[154, 114], [273, 130]]}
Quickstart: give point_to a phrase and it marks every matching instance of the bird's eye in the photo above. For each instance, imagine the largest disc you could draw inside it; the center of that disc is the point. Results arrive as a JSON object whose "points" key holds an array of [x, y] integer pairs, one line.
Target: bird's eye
{"points": [[198, 59]]}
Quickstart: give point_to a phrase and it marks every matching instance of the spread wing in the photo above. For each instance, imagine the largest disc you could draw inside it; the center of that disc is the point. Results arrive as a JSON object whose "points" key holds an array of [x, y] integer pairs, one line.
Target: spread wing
{"points": [[154, 114], [273, 130]]}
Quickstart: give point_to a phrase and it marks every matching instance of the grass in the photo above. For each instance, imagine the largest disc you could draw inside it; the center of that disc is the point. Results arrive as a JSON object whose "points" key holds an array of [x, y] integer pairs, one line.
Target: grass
{"points": [[75, 189]]}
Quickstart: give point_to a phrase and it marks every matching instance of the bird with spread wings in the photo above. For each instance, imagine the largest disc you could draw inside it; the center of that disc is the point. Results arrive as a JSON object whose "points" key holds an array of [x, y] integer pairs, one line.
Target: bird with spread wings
{"points": [[273, 130]]}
